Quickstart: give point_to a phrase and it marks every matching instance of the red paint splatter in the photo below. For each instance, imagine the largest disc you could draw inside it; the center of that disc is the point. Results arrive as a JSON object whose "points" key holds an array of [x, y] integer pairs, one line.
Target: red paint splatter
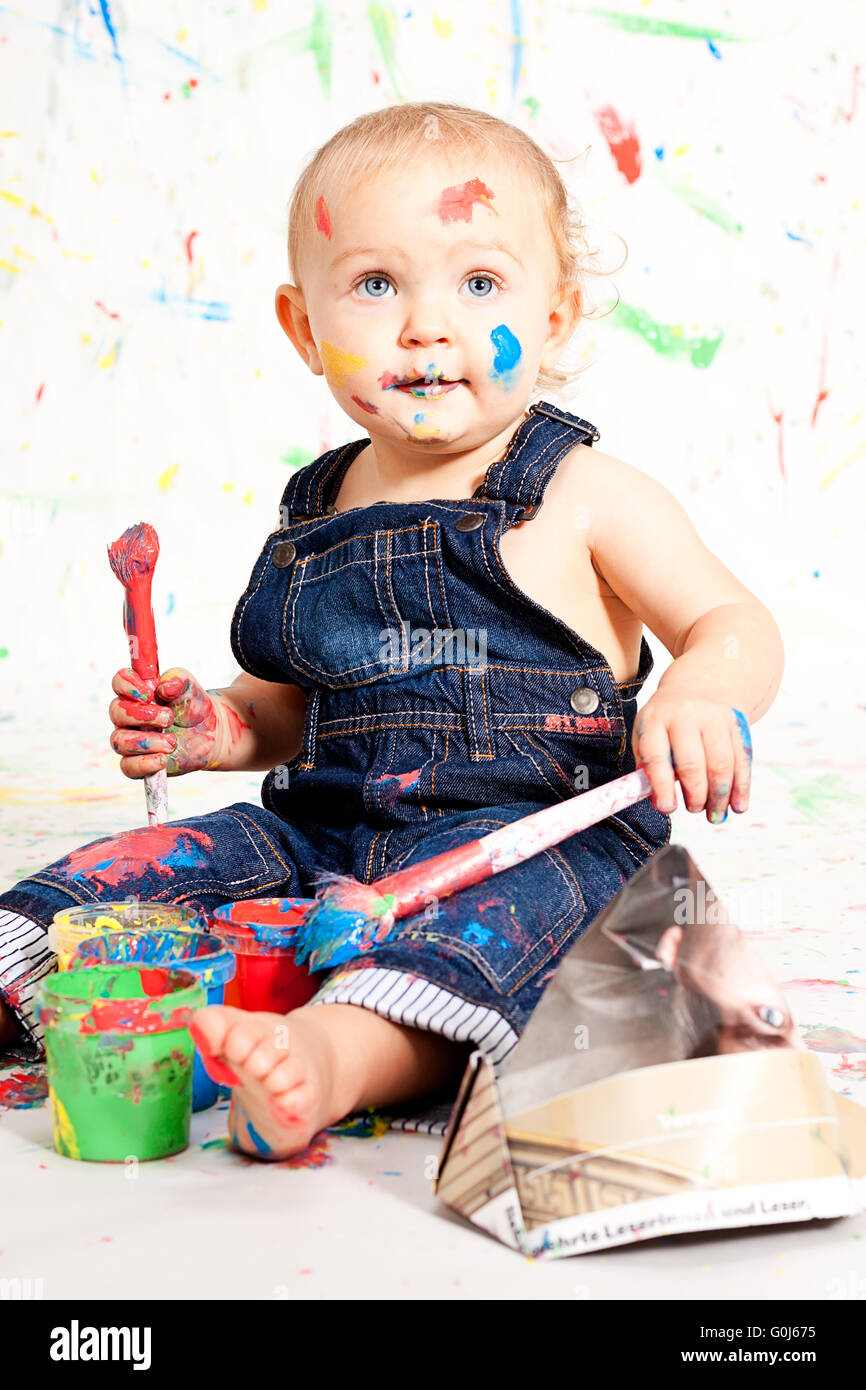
{"points": [[39, 393], [160, 847], [323, 218], [805, 984], [823, 393], [582, 724], [316, 1155], [20, 1090], [622, 141], [855, 82], [455, 204], [365, 405], [188, 244], [778, 420], [99, 305], [130, 1016]]}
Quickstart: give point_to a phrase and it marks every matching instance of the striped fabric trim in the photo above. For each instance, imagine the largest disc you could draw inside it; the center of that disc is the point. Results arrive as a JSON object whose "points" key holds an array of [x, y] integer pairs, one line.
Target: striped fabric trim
{"points": [[25, 960], [418, 1003]]}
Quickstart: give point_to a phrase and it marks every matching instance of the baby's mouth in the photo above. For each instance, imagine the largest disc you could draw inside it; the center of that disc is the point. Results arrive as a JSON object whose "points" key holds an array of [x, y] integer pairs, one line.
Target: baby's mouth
{"points": [[430, 390]]}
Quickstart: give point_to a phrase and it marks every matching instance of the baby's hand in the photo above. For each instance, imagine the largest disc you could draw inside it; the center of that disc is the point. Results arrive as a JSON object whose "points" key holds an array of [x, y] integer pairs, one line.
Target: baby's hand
{"points": [[689, 732], [172, 723]]}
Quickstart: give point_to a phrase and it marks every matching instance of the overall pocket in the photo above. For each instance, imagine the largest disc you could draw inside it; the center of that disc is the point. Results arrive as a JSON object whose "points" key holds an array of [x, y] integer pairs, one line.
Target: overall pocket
{"points": [[369, 606]]}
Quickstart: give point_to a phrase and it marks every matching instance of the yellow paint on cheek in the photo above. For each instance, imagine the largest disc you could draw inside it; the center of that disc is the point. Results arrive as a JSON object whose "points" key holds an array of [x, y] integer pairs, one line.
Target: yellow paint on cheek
{"points": [[338, 364]]}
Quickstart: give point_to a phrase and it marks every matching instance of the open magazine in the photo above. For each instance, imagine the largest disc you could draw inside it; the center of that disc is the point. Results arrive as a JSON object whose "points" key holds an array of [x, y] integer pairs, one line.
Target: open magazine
{"points": [[660, 1086]]}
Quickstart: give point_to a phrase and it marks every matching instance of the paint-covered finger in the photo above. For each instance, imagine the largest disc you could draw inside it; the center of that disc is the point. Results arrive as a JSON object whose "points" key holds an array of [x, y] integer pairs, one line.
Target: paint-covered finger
{"points": [[190, 703], [126, 683], [720, 770], [144, 766], [129, 714], [131, 741], [652, 753], [690, 764], [742, 763]]}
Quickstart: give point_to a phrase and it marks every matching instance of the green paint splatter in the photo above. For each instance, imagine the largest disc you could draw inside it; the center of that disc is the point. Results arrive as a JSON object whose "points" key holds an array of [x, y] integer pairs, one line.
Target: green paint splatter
{"points": [[533, 105], [295, 458], [819, 798], [4, 652], [215, 1144], [667, 28], [384, 905], [668, 340], [321, 46], [367, 1124], [708, 207], [383, 22]]}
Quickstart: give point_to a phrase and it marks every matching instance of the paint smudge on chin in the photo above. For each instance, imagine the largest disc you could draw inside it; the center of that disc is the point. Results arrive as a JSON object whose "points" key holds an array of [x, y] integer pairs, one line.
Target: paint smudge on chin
{"points": [[456, 203], [338, 364], [160, 848], [23, 1090], [506, 361], [365, 405], [622, 142], [425, 427], [323, 218]]}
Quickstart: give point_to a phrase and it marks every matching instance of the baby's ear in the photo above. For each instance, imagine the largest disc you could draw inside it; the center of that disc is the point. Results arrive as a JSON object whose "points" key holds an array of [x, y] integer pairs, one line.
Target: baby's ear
{"points": [[292, 317]]}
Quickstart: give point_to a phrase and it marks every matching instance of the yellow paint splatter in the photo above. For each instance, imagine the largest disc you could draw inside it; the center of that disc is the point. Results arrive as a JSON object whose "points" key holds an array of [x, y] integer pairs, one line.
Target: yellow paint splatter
{"points": [[7, 265], [682, 149], [166, 479], [443, 27], [65, 1141], [425, 428], [248, 496], [227, 487], [110, 357], [338, 364]]}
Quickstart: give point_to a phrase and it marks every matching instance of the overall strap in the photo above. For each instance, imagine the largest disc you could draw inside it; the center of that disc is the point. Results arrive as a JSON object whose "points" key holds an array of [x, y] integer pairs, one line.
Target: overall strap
{"points": [[310, 491], [530, 460]]}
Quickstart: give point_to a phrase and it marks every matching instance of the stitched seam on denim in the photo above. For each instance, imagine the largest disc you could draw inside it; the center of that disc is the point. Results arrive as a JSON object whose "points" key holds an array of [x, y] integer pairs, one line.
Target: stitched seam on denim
{"points": [[557, 945], [546, 469], [389, 588], [523, 754], [371, 536], [295, 655], [368, 868], [438, 553], [627, 830], [499, 722], [312, 724], [368, 564], [495, 475], [475, 753]]}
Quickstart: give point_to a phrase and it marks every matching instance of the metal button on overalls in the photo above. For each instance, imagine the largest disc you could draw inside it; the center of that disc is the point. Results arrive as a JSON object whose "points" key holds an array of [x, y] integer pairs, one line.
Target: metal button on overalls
{"points": [[584, 700], [470, 521], [284, 554]]}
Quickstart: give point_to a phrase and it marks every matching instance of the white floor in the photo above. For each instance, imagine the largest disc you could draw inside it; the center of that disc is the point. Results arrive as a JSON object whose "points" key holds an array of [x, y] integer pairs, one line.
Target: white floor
{"points": [[363, 1223]]}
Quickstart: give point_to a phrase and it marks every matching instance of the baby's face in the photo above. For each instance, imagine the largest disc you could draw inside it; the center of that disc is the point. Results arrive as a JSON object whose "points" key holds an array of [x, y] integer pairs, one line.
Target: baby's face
{"points": [[427, 332]]}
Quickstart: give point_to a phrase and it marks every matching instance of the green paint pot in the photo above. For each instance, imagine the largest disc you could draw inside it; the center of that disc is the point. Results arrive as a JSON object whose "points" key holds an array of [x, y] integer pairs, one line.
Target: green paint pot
{"points": [[120, 1059]]}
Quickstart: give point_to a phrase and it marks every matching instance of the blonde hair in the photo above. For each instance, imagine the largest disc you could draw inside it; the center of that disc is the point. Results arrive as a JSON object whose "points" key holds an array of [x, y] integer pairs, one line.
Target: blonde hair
{"points": [[396, 137]]}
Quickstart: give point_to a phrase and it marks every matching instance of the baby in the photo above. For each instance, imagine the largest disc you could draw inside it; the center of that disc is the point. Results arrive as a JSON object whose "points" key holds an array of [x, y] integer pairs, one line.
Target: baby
{"points": [[443, 634]]}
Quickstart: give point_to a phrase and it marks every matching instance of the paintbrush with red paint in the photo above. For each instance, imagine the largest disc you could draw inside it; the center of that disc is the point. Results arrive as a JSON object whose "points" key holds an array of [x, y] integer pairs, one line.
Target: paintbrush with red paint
{"points": [[133, 559], [350, 917]]}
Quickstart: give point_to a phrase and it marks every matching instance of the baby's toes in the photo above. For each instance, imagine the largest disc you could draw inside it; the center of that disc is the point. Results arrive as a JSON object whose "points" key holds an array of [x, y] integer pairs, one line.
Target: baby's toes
{"points": [[293, 1106], [210, 1025]]}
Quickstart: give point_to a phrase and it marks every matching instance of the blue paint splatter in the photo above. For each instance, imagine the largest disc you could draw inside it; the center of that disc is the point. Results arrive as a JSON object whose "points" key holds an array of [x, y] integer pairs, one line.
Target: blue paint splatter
{"points": [[516, 49], [170, 605], [745, 735], [201, 308], [262, 1145], [659, 151], [475, 934], [507, 358], [712, 47]]}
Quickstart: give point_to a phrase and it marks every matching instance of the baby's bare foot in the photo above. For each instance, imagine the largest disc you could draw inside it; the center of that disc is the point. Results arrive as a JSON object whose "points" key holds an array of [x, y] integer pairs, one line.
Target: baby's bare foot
{"points": [[282, 1070]]}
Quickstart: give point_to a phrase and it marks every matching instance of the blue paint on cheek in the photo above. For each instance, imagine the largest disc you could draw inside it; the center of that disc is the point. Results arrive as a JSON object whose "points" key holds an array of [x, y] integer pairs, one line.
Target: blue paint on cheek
{"points": [[508, 354]]}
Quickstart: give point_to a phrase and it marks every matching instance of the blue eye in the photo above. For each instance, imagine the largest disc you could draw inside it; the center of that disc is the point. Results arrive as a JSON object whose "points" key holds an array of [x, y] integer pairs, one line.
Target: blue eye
{"points": [[379, 280], [483, 280]]}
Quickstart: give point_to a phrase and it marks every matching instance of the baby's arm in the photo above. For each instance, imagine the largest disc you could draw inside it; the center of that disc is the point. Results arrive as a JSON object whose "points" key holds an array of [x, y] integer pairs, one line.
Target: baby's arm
{"points": [[727, 649], [268, 724]]}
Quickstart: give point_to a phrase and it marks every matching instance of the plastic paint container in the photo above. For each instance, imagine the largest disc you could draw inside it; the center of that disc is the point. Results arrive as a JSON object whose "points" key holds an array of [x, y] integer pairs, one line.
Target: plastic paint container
{"points": [[204, 955], [261, 932], [120, 1059], [74, 924]]}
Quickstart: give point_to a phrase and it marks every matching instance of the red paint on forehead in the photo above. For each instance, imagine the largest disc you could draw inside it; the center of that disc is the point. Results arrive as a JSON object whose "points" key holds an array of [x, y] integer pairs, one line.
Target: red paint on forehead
{"points": [[455, 204], [323, 217]]}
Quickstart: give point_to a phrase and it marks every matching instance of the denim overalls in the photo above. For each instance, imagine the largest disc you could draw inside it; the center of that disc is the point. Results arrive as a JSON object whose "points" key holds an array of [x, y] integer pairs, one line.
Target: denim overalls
{"points": [[442, 704]]}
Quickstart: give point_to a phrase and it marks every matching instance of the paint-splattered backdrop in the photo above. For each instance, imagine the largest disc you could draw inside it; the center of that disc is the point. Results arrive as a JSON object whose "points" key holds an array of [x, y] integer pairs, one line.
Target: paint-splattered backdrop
{"points": [[148, 152]]}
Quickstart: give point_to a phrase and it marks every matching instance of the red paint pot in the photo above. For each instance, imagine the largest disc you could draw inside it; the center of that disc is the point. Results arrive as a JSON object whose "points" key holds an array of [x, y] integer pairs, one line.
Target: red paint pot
{"points": [[261, 933]]}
